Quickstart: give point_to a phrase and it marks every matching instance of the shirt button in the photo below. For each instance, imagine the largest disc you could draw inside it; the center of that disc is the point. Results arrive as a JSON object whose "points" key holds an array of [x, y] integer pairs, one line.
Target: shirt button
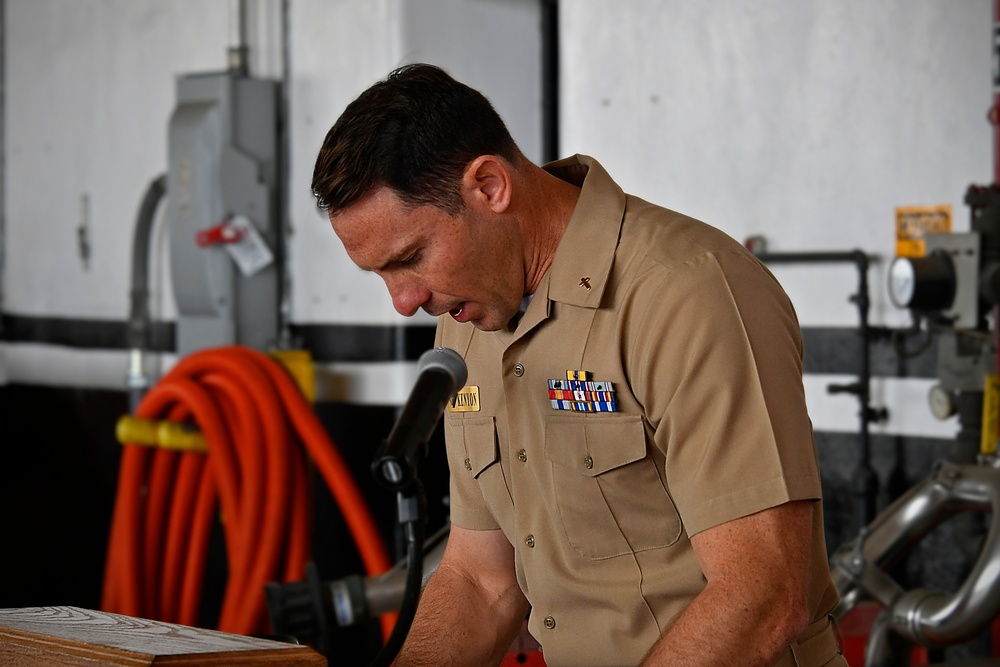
{"points": [[530, 541], [518, 370], [587, 461], [468, 464], [549, 622], [522, 456]]}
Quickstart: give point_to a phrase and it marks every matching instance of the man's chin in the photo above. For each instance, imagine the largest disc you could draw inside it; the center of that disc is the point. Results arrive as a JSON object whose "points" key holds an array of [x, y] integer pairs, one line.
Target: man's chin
{"points": [[486, 321], [496, 323], [485, 326]]}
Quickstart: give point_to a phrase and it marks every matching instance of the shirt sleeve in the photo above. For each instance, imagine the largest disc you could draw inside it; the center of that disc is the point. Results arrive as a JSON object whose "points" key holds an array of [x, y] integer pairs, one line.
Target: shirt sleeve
{"points": [[718, 369]]}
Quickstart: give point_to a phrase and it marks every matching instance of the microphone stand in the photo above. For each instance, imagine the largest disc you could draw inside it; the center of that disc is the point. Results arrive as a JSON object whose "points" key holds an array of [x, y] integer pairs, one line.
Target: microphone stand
{"points": [[412, 509], [301, 608], [442, 373]]}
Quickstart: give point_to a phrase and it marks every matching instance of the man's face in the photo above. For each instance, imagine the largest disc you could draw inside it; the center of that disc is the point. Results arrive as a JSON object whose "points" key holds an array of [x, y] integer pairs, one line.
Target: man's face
{"points": [[468, 266]]}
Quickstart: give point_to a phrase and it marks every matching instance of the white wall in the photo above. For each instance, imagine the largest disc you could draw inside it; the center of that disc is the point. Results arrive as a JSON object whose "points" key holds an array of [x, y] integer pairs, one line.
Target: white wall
{"points": [[802, 120], [807, 122], [89, 89]]}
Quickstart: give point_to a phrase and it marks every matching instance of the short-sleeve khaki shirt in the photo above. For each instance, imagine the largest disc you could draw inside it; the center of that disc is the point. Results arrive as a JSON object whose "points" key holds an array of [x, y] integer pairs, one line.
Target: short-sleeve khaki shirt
{"points": [[703, 353]]}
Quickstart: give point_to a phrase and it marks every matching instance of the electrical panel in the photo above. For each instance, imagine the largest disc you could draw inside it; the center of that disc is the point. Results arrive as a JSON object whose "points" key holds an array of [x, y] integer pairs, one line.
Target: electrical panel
{"points": [[221, 207]]}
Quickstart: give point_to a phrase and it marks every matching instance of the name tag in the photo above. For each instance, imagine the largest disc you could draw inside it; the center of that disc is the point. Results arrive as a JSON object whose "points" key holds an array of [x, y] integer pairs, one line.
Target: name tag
{"points": [[466, 400]]}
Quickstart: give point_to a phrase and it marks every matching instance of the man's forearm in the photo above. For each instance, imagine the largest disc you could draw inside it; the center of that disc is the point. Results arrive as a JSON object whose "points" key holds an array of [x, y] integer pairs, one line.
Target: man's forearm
{"points": [[755, 602], [718, 629], [458, 623]]}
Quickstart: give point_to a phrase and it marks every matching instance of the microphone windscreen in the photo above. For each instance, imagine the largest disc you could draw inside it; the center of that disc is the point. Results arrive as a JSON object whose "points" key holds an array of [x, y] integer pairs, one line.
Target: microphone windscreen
{"points": [[447, 360]]}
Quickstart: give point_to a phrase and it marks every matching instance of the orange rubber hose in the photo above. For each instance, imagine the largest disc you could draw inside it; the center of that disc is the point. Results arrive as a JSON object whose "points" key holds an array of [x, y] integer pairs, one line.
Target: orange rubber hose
{"points": [[260, 432], [334, 471]]}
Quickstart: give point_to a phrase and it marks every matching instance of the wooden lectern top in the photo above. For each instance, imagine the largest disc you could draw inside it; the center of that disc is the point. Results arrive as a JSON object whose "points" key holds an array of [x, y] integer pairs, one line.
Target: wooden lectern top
{"points": [[71, 636]]}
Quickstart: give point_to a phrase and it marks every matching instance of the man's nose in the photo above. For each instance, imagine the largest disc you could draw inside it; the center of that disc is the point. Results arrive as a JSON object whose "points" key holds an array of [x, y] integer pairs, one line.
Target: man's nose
{"points": [[407, 298]]}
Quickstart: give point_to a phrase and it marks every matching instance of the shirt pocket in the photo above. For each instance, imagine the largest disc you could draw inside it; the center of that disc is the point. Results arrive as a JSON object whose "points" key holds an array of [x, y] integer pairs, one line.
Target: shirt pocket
{"points": [[478, 482], [477, 445], [610, 497]]}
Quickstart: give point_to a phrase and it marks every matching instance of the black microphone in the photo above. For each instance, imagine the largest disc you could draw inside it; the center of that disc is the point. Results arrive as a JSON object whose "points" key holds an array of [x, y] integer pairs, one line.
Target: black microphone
{"points": [[441, 372]]}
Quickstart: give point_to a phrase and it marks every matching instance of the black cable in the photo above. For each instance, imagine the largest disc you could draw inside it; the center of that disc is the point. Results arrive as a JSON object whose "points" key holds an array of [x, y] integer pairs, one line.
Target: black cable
{"points": [[898, 336], [412, 516]]}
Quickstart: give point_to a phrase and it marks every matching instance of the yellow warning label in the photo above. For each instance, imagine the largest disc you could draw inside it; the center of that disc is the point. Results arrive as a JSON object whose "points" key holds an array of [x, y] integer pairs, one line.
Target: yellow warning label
{"points": [[913, 223], [991, 415]]}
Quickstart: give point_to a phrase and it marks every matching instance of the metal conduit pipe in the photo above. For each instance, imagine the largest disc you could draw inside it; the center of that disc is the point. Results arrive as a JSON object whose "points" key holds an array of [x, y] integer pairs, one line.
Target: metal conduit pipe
{"points": [[3, 156], [137, 380], [922, 616], [238, 50], [550, 80]]}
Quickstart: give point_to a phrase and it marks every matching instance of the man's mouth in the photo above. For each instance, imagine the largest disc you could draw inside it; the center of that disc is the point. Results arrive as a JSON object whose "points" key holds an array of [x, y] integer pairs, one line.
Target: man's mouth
{"points": [[457, 311]]}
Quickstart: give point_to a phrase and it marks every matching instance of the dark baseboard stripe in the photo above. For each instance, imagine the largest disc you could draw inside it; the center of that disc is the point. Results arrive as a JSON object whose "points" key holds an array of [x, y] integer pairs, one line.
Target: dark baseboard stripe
{"points": [[344, 342], [81, 333], [837, 350]]}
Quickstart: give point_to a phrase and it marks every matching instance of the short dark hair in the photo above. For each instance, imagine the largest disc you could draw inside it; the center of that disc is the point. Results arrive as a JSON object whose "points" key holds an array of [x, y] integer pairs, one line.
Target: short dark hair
{"points": [[414, 132]]}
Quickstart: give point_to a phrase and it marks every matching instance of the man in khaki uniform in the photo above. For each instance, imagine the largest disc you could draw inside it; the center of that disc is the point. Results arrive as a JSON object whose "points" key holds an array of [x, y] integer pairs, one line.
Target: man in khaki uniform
{"points": [[631, 460]]}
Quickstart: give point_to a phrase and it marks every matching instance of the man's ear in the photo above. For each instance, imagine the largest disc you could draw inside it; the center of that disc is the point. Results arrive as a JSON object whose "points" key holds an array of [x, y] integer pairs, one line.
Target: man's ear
{"points": [[487, 182]]}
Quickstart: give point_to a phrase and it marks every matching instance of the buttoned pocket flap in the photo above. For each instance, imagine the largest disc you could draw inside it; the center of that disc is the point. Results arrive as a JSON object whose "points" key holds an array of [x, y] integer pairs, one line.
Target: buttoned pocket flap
{"points": [[479, 438], [592, 446]]}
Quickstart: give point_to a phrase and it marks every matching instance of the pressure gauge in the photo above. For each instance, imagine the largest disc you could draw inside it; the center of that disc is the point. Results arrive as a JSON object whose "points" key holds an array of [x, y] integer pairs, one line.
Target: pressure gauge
{"points": [[902, 281], [942, 402], [923, 283]]}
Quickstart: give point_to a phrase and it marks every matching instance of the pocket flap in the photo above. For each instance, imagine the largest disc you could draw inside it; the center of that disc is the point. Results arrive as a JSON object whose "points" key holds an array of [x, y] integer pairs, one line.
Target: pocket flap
{"points": [[478, 436], [594, 445]]}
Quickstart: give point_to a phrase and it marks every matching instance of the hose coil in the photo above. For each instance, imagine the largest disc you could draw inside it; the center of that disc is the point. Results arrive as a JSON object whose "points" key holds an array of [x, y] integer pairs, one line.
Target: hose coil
{"points": [[260, 432]]}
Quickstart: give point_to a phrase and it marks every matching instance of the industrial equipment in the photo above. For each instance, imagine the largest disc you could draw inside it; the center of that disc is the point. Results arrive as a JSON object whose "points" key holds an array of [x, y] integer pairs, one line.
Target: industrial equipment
{"points": [[221, 209], [309, 608], [223, 191], [952, 290]]}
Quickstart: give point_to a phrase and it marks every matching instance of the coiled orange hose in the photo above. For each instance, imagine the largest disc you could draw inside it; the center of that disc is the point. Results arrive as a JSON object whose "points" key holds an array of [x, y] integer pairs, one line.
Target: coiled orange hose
{"points": [[259, 429]]}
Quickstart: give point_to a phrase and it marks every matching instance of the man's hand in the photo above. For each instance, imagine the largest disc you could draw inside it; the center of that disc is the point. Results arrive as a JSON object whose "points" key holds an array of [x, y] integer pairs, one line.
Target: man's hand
{"points": [[471, 609], [755, 602]]}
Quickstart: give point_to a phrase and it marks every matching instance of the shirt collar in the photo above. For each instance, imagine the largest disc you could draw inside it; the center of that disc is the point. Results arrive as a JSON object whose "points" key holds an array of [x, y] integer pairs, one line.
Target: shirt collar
{"points": [[582, 262]]}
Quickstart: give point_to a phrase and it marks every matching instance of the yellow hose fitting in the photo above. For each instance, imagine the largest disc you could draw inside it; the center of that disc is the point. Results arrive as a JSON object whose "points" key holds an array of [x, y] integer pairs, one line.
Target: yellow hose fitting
{"points": [[137, 431], [300, 366], [165, 434]]}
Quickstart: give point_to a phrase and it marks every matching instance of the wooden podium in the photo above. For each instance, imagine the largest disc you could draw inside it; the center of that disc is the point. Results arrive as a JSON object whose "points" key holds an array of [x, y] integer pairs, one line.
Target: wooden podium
{"points": [[70, 636]]}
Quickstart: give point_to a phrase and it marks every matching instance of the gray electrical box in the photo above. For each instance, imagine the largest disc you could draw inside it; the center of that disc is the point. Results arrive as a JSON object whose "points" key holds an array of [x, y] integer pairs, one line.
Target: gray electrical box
{"points": [[223, 149]]}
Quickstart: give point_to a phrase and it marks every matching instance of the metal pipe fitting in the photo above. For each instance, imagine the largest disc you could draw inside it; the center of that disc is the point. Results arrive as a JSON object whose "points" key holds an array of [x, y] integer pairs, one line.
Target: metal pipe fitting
{"points": [[922, 616]]}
